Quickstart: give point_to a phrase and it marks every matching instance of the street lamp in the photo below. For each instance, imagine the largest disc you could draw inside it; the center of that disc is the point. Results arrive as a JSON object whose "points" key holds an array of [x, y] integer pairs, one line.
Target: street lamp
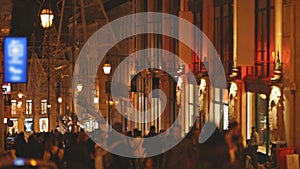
{"points": [[20, 94], [79, 87], [59, 99], [96, 99], [106, 70], [47, 17]]}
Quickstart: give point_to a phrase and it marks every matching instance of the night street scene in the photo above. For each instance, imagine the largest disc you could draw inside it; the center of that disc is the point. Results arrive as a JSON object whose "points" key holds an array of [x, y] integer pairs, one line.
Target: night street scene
{"points": [[149, 84]]}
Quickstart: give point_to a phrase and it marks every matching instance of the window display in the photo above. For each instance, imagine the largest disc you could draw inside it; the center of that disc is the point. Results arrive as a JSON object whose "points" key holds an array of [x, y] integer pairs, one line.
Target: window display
{"points": [[28, 124], [43, 124]]}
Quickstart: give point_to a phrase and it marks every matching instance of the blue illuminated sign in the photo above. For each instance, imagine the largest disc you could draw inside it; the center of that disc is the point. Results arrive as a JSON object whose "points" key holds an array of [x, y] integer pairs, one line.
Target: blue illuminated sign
{"points": [[15, 60]]}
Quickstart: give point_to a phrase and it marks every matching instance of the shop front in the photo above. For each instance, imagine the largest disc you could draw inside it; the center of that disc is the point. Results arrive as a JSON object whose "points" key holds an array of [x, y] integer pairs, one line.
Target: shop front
{"points": [[266, 112], [14, 127], [28, 125], [43, 124]]}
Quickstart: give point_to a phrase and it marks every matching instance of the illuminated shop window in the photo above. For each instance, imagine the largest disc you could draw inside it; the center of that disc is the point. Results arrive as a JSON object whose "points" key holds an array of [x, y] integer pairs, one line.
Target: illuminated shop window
{"points": [[13, 107], [28, 106], [44, 107]]}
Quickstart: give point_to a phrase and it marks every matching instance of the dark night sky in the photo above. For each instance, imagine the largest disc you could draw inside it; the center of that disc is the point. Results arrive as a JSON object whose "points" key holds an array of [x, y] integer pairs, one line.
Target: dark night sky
{"points": [[25, 18]]}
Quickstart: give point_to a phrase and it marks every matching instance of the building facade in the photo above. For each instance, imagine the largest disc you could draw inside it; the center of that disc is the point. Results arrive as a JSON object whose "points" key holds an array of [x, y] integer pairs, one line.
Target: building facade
{"points": [[256, 41]]}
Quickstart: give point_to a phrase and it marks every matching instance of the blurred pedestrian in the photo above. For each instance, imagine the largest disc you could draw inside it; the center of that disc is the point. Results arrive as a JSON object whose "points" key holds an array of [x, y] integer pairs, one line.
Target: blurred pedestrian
{"points": [[77, 153], [35, 147], [180, 155], [254, 142], [153, 146], [212, 149], [53, 152], [149, 163], [20, 145], [235, 147], [100, 152], [137, 149], [117, 143]]}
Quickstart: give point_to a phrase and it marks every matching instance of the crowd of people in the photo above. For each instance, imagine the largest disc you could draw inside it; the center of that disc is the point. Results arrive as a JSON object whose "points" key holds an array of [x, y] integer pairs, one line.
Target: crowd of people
{"points": [[223, 150]]}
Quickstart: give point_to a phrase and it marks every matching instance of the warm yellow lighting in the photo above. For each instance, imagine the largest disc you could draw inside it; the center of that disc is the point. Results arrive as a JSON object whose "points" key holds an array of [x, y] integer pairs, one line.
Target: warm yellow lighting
{"points": [[110, 102], [106, 68], [79, 87], [46, 18], [96, 100], [59, 99], [20, 95], [273, 55], [263, 96], [4, 30], [203, 82], [33, 162], [19, 105], [233, 87], [278, 7], [275, 94]]}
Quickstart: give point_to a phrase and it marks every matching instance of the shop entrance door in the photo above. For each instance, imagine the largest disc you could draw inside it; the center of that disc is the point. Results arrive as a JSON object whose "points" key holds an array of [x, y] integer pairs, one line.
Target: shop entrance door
{"points": [[262, 121]]}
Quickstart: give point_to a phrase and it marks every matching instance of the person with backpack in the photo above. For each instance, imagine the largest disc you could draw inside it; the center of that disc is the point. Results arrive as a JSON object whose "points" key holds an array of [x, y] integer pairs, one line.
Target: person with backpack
{"points": [[53, 152]]}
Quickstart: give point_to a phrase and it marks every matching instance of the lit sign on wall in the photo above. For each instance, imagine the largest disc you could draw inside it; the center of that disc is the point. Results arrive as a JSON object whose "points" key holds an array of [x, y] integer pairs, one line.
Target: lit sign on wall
{"points": [[15, 60], [28, 124], [6, 88]]}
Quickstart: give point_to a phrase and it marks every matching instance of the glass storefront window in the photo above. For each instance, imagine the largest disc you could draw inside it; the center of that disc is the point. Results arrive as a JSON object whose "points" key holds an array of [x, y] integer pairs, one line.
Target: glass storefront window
{"points": [[44, 107], [13, 107], [14, 128], [28, 106], [28, 124], [261, 117], [43, 124]]}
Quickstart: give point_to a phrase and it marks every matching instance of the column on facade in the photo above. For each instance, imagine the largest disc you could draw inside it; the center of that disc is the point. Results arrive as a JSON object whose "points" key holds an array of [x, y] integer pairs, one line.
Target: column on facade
{"points": [[295, 52], [167, 87], [289, 60], [243, 51]]}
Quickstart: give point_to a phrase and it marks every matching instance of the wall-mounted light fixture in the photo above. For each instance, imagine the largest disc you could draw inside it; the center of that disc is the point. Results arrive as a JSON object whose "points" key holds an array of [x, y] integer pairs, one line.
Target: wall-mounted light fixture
{"points": [[106, 68], [20, 94], [59, 99]]}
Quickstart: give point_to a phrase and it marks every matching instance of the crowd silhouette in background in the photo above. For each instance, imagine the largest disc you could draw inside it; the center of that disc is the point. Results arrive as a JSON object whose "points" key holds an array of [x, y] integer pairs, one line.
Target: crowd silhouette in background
{"points": [[223, 150]]}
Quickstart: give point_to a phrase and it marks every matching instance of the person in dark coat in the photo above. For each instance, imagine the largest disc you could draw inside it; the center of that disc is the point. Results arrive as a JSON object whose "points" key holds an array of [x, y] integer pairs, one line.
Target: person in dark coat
{"points": [[35, 147], [53, 152], [117, 144], [78, 154], [235, 147], [214, 148], [20, 145], [152, 146], [180, 156]]}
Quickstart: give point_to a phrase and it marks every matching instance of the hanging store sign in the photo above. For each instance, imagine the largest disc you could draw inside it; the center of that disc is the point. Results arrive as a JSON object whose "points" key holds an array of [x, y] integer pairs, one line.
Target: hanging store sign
{"points": [[15, 59], [6, 88]]}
